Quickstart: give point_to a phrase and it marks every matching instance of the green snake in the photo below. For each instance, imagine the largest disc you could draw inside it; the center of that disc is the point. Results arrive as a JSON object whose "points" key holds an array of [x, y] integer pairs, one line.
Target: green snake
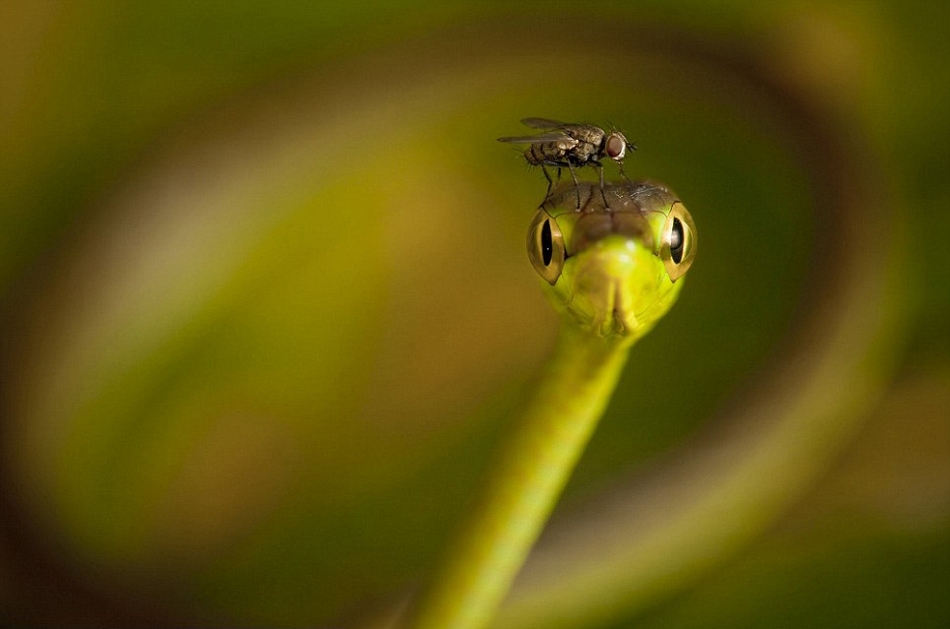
{"points": [[612, 268]]}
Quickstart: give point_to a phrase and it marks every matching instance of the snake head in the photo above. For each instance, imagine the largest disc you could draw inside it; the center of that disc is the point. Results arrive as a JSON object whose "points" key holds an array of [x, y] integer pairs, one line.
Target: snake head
{"points": [[614, 265]]}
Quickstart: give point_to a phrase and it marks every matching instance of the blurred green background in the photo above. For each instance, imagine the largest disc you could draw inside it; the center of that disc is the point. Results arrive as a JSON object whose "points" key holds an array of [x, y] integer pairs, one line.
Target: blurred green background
{"points": [[265, 308]]}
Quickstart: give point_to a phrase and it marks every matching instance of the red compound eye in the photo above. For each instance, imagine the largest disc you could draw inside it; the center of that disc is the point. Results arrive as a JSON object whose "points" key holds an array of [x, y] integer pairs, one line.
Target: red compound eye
{"points": [[615, 146]]}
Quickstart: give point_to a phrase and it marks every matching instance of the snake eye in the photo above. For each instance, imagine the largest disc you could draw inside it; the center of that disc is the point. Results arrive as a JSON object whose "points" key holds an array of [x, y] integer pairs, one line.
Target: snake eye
{"points": [[546, 246], [678, 246], [676, 241]]}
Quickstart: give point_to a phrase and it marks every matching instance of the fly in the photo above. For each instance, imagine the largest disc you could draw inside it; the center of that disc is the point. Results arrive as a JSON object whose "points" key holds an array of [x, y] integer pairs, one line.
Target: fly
{"points": [[571, 146]]}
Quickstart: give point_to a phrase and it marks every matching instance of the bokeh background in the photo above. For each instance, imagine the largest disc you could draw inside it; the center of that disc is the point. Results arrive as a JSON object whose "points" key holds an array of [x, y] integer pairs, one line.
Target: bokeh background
{"points": [[265, 309]]}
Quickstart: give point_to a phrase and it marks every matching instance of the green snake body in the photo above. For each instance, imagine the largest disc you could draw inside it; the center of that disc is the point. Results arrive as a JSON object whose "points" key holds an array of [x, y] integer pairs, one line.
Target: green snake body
{"points": [[610, 268]]}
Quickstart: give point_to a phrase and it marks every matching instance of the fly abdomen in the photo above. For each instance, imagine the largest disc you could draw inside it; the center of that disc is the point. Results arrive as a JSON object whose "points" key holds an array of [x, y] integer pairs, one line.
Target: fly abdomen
{"points": [[535, 155]]}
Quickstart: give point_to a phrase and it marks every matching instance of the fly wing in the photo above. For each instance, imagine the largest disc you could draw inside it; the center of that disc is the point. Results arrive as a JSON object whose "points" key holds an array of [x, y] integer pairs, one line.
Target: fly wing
{"points": [[554, 136], [542, 123]]}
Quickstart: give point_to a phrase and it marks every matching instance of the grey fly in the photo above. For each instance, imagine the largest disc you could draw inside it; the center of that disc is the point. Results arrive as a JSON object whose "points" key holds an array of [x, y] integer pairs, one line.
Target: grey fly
{"points": [[569, 145]]}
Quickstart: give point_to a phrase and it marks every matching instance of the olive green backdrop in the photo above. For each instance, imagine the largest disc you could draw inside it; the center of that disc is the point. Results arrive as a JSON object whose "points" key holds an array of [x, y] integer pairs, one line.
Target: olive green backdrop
{"points": [[265, 304]]}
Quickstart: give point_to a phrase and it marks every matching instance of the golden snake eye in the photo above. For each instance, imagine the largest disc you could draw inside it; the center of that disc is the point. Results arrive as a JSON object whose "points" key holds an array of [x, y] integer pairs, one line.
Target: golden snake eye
{"points": [[678, 247], [546, 246]]}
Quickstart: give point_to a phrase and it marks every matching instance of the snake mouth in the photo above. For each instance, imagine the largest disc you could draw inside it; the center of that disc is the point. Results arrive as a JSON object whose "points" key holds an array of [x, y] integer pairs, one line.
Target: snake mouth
{"points": [[625, 321], [602, 297]]}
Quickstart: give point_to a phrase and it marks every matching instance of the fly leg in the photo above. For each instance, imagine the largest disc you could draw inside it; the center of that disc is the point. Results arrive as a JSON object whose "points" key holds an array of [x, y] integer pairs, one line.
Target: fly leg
{"points": [[558, 180], [623, 174], [577, 187], [547, 195], [600, 170]]}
